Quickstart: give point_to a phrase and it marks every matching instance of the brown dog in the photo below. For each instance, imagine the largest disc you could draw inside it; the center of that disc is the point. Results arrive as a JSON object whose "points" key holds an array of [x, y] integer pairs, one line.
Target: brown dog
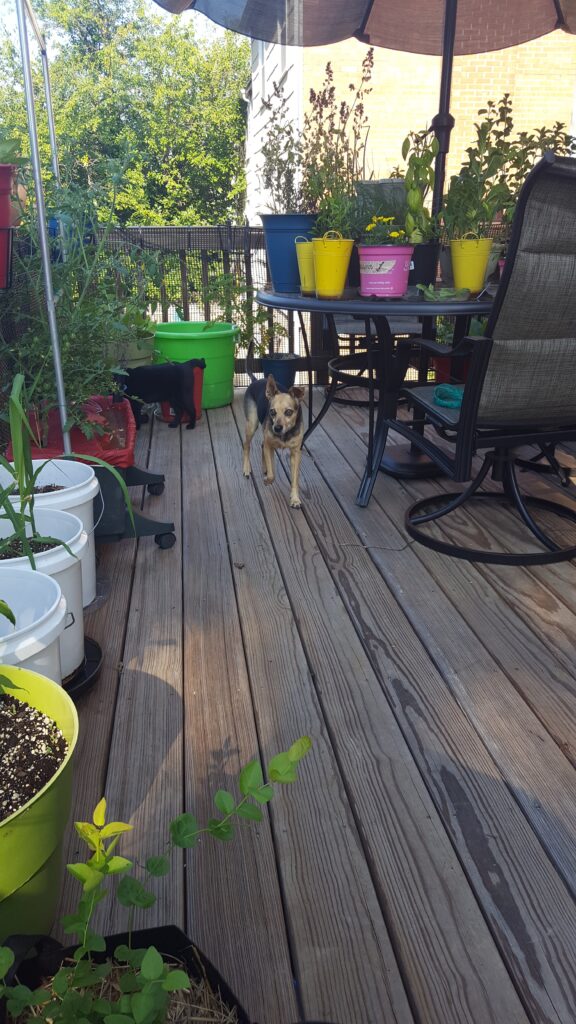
{"points": [[280, 414]]}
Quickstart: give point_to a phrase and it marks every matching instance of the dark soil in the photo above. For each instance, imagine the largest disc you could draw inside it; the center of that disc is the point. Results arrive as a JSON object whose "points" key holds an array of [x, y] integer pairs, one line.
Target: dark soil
{"points": [[48, 488], [13, 548], [32, 748]]}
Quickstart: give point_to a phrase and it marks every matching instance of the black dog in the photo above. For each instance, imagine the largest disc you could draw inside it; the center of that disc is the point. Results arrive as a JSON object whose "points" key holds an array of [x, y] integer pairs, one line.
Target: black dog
{"points": [[163, 382]]}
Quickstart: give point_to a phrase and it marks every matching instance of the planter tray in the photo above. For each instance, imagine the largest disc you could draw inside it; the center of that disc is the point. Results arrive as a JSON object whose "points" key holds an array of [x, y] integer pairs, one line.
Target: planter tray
{"points": [[85, 677]]}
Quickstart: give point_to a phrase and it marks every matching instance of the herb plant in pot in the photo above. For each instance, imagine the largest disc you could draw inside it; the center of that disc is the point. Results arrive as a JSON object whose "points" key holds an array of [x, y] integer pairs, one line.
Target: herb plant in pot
{"points": [[36, 787], [474, 197], [291, 213], [129, 979], [384, 259], [419, 150]]}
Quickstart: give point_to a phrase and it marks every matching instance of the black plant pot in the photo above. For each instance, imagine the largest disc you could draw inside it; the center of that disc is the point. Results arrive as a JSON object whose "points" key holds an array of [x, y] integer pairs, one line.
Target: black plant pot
{"points": [[169, 941], [424, 267], [353, 280]]}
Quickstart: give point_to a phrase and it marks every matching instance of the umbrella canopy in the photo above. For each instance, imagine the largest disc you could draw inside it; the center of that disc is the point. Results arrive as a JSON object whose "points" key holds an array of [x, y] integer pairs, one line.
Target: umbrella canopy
{"points": [[412, 25]]}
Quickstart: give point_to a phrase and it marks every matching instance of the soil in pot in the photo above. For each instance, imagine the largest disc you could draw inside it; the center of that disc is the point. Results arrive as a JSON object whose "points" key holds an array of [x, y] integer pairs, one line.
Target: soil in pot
{"points": [[32, 748], [48, 489], [14, 548]]}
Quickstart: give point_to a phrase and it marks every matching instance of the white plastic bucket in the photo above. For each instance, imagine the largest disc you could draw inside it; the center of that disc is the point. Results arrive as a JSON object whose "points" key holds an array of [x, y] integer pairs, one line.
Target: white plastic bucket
{"points": [[63, 566], [80, 487], [40, 612]]}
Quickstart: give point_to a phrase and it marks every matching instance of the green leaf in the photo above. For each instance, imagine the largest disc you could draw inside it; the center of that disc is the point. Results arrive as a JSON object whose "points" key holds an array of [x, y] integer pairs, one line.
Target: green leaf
{"points": [[184, 831], [99, 815], [224, 801], [222, 830], [6, 960], [131, 893], [176, 981], [299, 749], [264, 794], [250, 812], [88, 833], [118, 864], [158, 866], [282, 769], [141, 1005], [115, 828], [250, 777], [89, 877], [7, 612], [129, 983], [152, 965], [118, 1018]]}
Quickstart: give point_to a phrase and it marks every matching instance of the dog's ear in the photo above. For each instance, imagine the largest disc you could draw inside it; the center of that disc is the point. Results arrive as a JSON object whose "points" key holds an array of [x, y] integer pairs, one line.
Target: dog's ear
{"points": [[271, 387], [297, 393]]}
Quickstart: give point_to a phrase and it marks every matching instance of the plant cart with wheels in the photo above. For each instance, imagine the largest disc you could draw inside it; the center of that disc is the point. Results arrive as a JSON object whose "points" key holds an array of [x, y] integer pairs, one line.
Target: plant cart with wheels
{"points": [[115, 446]]}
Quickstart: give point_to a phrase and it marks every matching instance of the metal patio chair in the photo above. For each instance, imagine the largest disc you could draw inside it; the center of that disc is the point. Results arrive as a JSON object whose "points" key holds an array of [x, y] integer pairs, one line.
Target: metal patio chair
{"points": [[521, 385]]}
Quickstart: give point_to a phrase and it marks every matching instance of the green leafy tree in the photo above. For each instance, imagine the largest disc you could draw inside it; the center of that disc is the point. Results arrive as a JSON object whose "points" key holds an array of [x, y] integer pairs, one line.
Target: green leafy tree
{"points": [[125, 80]]}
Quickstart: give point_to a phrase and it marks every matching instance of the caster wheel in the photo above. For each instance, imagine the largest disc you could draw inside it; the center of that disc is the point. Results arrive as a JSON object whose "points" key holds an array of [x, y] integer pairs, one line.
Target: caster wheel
{"points": [[144, 417], [155, 488], [165, 540]]}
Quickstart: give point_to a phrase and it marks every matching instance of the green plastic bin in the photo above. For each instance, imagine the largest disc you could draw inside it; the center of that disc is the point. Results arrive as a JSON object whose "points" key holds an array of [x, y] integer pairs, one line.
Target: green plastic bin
{"points": [[31, 838], [215, 342]]}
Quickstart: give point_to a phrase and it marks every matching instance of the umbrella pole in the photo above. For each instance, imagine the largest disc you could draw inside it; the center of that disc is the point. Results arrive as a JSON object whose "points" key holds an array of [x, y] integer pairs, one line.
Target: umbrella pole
{"points": [[41, 217], [443, 122]]}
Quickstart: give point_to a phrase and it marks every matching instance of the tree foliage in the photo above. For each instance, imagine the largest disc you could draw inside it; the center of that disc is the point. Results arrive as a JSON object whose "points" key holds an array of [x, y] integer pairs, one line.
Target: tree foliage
{"points": [[125, 80]]}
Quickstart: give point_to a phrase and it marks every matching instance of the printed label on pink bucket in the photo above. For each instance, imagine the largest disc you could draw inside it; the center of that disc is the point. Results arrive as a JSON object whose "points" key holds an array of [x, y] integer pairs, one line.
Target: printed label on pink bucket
{"points": [[384, 271]]}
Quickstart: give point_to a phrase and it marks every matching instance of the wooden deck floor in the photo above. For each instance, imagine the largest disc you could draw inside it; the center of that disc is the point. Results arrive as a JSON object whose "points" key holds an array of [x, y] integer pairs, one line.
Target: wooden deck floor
{"points": [[422, 870]]}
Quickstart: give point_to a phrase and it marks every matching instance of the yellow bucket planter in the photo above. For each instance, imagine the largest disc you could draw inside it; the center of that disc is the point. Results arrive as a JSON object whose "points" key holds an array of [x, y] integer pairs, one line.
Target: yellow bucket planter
{"points": [[331, 260], [470, 261], [305, 256]]}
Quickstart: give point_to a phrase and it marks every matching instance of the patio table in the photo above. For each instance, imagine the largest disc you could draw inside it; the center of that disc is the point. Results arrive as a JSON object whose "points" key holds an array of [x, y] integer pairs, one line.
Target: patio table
{"points": [[389, 361]]}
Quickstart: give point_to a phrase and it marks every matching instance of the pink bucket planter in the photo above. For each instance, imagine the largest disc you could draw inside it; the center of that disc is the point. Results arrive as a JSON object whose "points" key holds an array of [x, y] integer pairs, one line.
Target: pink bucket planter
{"points": [[384, 270]]}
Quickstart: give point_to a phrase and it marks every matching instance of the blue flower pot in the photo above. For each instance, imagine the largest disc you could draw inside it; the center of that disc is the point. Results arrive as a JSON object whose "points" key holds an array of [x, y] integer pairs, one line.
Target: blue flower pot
{"points": [[282, 369], [280, 233]]}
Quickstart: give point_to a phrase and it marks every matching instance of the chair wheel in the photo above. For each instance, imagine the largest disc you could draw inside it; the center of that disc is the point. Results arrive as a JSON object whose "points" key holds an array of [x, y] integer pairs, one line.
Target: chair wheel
{"points": [[165, 540], [156, 488]]}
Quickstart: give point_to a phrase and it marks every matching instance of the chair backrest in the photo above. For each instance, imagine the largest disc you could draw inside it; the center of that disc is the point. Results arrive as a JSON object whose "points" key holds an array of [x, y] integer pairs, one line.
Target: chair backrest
{"points": [[531, 373]]}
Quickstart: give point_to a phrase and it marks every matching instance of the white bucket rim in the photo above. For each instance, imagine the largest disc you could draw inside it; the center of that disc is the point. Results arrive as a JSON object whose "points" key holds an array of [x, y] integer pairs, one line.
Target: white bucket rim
{"points": [[76, 539], [27, 641], [71, 495]]}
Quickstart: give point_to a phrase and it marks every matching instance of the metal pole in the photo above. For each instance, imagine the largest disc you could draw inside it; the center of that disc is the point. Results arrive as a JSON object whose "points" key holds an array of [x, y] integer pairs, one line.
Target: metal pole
{"points": [[443, 123], [41, 217]]}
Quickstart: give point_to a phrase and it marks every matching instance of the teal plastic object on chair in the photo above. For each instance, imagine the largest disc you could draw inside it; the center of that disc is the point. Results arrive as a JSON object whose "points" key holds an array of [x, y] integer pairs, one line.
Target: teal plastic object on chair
{"points": [[449, 395]]}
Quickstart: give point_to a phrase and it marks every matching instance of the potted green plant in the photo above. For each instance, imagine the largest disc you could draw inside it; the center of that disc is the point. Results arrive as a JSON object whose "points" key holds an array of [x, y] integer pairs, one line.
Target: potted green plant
{"points": [[419, 150], [145, 980], [385, 256], [40, 730]]}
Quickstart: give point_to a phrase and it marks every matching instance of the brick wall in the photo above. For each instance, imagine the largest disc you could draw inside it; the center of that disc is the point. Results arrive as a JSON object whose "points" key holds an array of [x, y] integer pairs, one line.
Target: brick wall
{"points": [[540, 75]]}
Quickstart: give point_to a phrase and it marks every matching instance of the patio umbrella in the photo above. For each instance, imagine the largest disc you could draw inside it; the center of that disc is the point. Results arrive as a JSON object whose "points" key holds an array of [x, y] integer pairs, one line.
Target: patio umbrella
{"points": [[444, 27]]}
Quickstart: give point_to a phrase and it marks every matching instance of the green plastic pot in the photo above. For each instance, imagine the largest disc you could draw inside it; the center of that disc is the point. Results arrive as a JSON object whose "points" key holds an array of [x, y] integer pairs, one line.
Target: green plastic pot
{"points": [[215, 342], [31, 838]]}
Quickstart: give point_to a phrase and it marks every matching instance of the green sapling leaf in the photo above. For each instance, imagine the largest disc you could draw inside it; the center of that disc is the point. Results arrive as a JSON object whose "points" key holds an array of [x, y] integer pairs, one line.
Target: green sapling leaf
{"points": [[131, 893], [99, 815], [299, 749], [158, 866], [184, 830], [222, 830], [250, 778], [224, 801], [282, 769], [6, 960], [152, 964], [176, 981], [118, 1018], [250, 812], [264, 794], [118, 864]]}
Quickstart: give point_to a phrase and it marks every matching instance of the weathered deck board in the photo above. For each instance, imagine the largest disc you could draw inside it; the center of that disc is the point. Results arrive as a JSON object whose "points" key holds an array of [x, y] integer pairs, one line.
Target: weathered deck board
{"points": [[541, 777], [345, 966], [234, 901], [144, 781], [535, 926], [418, 867]]}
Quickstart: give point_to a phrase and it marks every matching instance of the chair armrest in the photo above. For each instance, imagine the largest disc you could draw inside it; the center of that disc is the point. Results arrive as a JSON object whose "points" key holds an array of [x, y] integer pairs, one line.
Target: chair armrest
{"points": [[464, 347]]}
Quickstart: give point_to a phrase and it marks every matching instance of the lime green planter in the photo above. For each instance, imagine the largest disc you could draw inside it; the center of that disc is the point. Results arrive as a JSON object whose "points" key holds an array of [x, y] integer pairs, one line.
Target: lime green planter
{"points": [[215, 342], [31, 838]]}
